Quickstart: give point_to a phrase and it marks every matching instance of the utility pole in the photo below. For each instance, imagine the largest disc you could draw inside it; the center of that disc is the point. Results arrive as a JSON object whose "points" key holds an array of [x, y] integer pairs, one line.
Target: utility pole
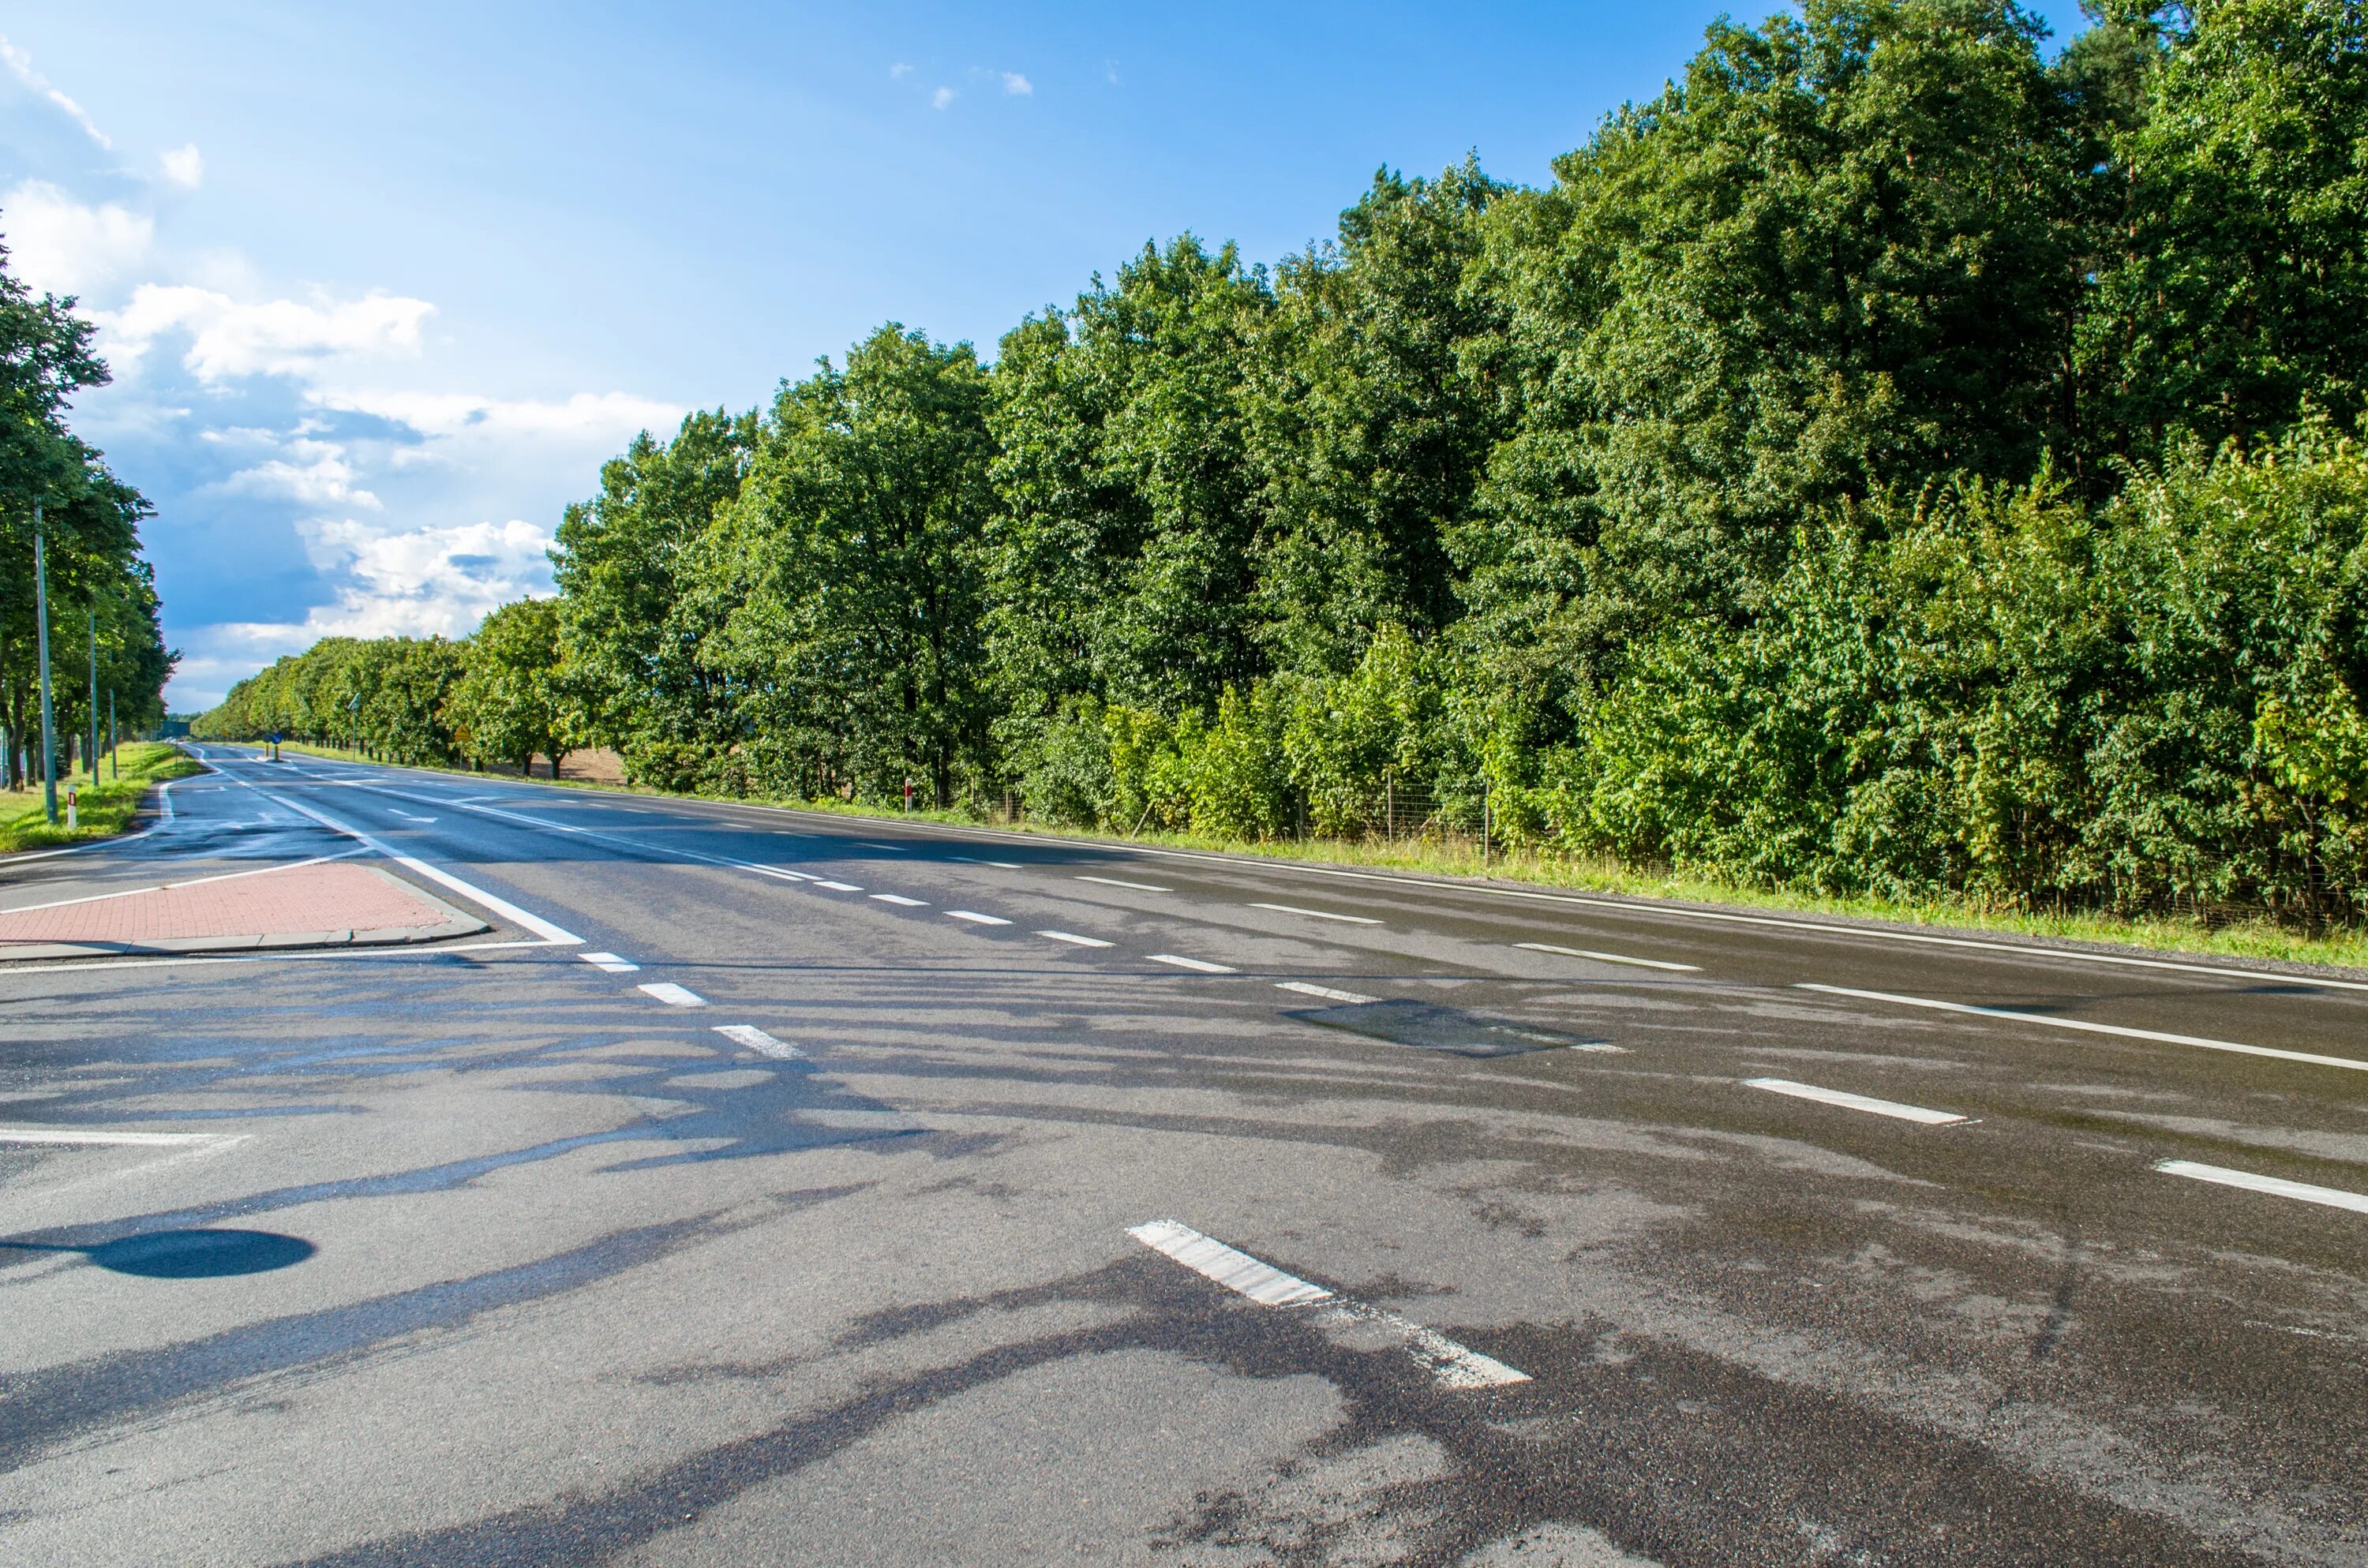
{"points": [[114, 741], [48, 714], [94, 695]]}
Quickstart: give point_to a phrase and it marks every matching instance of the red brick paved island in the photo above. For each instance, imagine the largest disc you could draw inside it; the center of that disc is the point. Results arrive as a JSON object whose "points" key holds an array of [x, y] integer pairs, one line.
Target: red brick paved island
{"points": [[332, 900]]}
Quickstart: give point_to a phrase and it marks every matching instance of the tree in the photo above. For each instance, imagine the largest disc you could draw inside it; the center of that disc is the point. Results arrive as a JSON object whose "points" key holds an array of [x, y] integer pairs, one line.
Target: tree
{"points": [[512, 697]]}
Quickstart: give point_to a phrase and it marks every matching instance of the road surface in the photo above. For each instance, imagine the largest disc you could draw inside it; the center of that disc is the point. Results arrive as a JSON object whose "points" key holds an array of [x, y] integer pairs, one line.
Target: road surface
{"points": [[766, 1187]]}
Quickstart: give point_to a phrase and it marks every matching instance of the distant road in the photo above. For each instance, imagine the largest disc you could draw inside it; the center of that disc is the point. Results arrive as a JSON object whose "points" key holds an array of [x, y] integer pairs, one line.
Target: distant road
{"points": [[774, 1186]]}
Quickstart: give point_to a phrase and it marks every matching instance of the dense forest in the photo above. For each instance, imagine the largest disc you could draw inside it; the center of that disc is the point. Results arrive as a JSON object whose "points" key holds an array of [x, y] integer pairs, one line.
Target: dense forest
{"points": [[1902, 457], [101, 588]]}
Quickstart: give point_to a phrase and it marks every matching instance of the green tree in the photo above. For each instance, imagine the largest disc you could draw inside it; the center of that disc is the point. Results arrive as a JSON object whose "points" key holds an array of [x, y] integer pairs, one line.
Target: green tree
{"points": [[512, 700]]}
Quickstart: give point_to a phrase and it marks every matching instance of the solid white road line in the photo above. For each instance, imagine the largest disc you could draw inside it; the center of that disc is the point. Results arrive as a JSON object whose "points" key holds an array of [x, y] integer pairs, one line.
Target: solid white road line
{"points": [[1203, 965], [609, 961], [134, 1140], [1073, 939], [557, 935], [898, 898], [1318, 913], [2333, 1196], [840, 886], [975, 918], [192, 882], [1114, 882], [1855, 1102], [2087, 1028], [673, 995], [757, 1040], [1454, 1365], [1610, 958], [1304, 989]]}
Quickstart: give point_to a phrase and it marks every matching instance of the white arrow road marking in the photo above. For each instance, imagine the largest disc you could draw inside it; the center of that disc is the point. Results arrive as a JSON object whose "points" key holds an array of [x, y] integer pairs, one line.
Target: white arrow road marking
{"points": [[1454, 1365]]}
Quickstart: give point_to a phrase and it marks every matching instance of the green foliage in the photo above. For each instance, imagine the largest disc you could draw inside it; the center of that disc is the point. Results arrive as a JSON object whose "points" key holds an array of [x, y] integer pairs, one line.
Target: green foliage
{"points": [[1887, 462], [386, 697], [515, 696]]}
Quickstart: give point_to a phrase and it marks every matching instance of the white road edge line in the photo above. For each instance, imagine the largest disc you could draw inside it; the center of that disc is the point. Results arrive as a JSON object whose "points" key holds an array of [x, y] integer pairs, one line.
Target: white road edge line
{"points": [[1201, 965], [1073, 939], [557, 935], [1610, 958], [1114, 882], [673, 995], [132, 1140], [2332, 1197], [975, 918], [760, 1043], [1304, 989], [2087, 1028], [1454, 1365], [1318, 913], [1857, 1102]]}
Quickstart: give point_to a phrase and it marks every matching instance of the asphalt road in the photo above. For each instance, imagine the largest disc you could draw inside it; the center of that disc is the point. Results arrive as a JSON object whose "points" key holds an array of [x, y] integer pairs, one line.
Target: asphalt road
{"points": [[776, 1187]]}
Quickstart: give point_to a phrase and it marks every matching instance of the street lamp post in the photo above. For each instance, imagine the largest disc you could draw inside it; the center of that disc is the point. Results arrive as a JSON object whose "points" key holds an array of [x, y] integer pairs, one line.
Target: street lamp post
{"points": [[93, 696], [48, 714]]}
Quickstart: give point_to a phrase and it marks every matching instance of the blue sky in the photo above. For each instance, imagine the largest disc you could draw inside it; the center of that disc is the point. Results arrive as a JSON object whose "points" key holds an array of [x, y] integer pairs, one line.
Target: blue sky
{"points": [[383, 285]]}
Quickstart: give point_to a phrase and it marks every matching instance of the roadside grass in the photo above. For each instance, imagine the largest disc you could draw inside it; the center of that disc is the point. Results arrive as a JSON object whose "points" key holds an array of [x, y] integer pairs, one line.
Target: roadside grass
{"points": [[107, 806], [2252, 937]]}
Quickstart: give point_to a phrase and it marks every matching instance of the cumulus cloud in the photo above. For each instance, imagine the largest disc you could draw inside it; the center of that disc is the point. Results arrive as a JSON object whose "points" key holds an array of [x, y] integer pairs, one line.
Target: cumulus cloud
{"points": [[185, 166], [436, 581], [1017, 84], [21, 65], [942, 97], [59, 246], [593, 416], [312, 471], [289, 337]]}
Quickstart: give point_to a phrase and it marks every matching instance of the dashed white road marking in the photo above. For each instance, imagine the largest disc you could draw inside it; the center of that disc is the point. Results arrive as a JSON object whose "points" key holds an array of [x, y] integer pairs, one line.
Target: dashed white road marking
{"points": [[2087, 1028], [783, 871], [1318, 913], [898, 898], [2332, 1197], [609, 961], [837, 887], [892, 848], [99, 1135], [1855, 1102], [1610, 958], [408, 817], [1073, 939], [1114, 882], [1454, 1365], [673, 995], [1003, 865], [1203, 965], [757, 1040], [975, 918], [1304, 989]]}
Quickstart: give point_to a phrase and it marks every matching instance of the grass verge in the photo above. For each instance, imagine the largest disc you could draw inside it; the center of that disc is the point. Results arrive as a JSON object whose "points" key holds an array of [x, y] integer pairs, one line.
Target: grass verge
{"points": [[2243, 939], [107, 805]]}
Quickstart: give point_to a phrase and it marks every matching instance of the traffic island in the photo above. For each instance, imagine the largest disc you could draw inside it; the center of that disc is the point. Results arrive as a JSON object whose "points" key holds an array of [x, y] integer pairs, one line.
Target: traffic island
{"points": [[330, 904]]}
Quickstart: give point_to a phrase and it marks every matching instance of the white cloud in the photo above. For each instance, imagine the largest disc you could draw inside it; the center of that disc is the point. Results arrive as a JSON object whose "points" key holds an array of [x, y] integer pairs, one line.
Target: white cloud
{"points": [[1017, 84], [21, 65], [942, 97], [1110, 72], [185, 166], [59, 246], [276, 337], [315, 472], [436, 581], [899, 70], [613, 417]]}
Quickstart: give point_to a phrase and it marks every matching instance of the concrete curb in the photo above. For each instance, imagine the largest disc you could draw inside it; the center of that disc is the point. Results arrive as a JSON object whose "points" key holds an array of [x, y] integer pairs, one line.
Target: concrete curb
{"points": [[455, 923]]}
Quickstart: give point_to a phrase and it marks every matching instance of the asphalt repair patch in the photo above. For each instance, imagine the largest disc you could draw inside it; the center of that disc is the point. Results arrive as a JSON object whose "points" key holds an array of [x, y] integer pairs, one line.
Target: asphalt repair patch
{"points": [[1430, 1026]]}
